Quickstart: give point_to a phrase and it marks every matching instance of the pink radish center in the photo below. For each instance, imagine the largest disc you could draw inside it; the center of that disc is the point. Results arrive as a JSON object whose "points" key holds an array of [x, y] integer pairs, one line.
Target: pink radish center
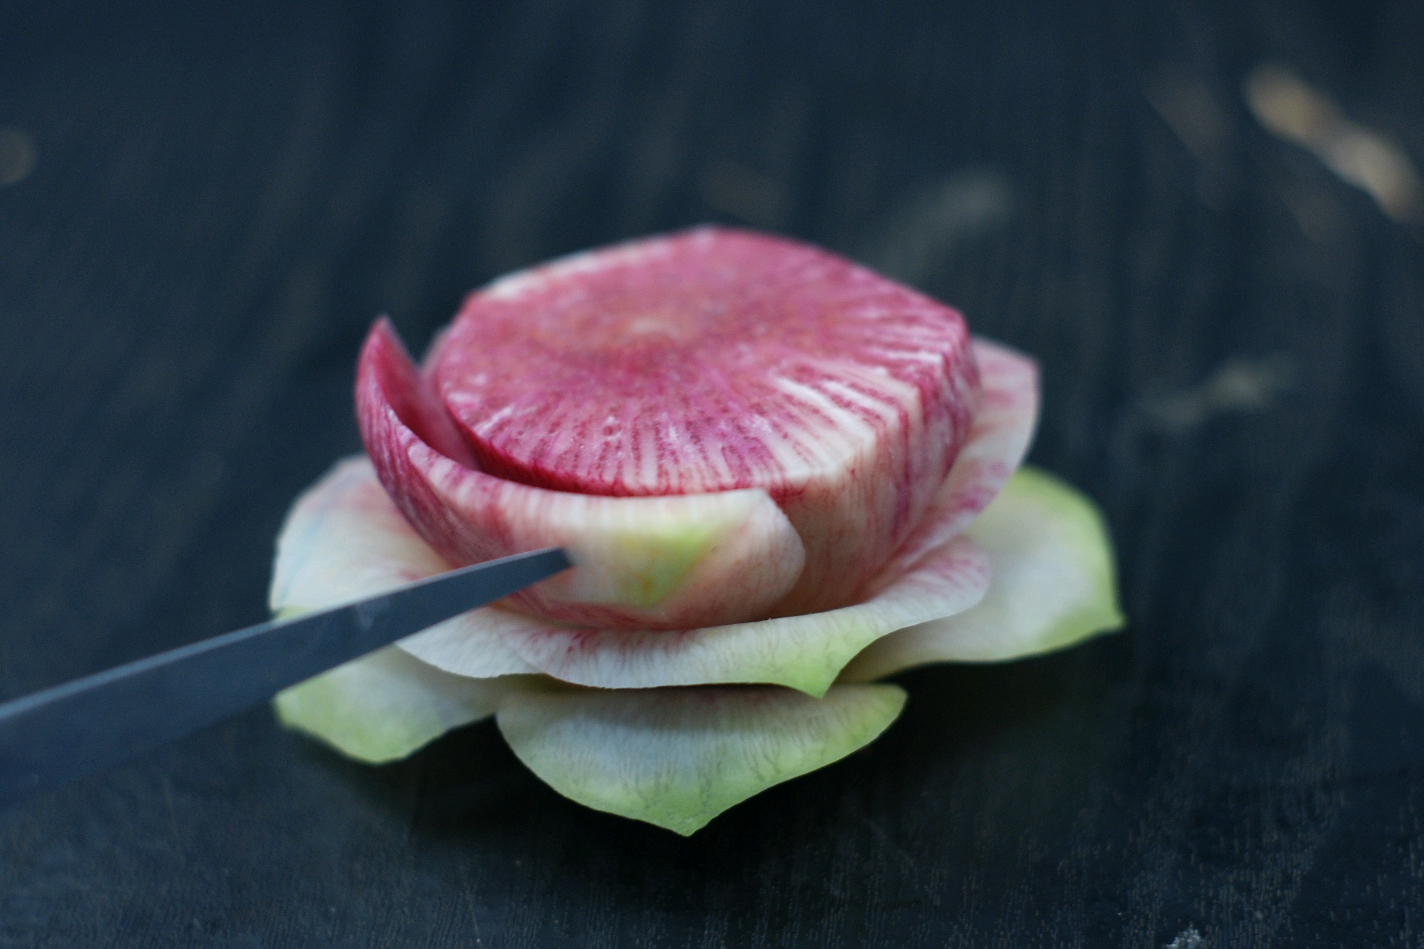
{"points": [[715, 360], [709, 361]]}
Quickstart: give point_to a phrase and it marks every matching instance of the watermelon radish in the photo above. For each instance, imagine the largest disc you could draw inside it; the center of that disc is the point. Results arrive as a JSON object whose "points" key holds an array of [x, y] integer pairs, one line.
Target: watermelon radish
{"points": [[774, 470], [805, 652], [675, 757]]}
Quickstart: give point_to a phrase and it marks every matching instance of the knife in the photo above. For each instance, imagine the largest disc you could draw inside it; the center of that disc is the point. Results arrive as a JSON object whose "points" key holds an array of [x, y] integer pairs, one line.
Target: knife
{"points": [[80, 727]]}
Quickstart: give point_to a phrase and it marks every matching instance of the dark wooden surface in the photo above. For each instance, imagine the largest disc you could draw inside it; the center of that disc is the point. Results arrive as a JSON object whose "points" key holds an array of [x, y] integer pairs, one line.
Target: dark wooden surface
{"points": [[204, 209]]}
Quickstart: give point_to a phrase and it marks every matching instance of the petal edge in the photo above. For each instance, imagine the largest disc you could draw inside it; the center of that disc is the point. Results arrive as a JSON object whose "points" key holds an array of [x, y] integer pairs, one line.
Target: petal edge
{"points": [[1054, 583], [384, 706], [679, 757]]}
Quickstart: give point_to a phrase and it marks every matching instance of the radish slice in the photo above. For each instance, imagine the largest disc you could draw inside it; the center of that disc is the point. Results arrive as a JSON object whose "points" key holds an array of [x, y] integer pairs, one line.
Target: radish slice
{"points": [[679, 757], [384, 706], [1053, 584], [345, 540], [801, 652], [648, 562]]}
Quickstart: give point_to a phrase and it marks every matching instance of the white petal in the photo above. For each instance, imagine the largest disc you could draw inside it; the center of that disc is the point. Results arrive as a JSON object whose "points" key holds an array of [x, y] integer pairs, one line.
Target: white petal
{"points": [[345, 540]]}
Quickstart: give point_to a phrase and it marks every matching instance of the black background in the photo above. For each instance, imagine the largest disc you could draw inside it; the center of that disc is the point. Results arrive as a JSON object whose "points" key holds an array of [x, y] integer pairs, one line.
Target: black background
{"points": [[223, 197]]}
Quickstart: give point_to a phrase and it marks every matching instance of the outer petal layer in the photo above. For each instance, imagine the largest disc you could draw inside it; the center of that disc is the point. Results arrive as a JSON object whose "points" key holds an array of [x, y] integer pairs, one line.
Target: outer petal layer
{"points": [[345, 540], [679, 757], [1053, 584], [384, 706], [644, 562], [802, 652]]}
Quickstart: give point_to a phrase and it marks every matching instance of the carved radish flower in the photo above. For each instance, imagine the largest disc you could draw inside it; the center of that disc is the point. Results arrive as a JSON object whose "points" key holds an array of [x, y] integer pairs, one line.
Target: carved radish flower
{"points": [[773, 470]]}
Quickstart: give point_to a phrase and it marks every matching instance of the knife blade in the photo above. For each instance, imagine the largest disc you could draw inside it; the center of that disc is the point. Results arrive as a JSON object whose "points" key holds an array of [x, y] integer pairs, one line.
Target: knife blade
{"points": [[83, 726]]}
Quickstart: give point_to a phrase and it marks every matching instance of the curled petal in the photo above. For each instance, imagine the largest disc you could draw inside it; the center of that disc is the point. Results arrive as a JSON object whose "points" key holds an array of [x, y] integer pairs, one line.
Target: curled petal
{"points": [[1053, 585], [679, 757], [345, 540], [1003, 429], [802, 652], [384, 706], [641, 562]]}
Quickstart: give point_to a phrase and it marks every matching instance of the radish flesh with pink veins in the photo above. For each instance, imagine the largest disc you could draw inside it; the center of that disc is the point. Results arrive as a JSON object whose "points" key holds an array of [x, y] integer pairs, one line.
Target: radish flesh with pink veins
{"points": [[768, 465]]}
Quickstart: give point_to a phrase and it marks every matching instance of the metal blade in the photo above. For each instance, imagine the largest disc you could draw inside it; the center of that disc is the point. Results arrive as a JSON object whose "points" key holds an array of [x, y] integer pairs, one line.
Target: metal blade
{"points": [[82, 726]]}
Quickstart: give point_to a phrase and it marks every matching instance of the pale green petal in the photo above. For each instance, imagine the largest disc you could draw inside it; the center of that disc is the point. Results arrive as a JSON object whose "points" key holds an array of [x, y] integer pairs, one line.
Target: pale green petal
{"points": [[384, 706], [679, 757], [1054, 583], [801, 652]]}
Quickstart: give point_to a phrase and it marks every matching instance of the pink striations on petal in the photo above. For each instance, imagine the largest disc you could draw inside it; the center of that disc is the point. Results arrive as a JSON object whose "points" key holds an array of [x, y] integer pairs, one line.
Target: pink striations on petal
{"points": [[469, 516], [716, 360], [1003, 430]]}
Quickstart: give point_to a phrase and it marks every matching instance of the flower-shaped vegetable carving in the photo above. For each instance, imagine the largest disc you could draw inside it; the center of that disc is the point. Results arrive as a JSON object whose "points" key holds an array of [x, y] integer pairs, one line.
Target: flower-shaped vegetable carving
{"points": [[781, 477]]}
